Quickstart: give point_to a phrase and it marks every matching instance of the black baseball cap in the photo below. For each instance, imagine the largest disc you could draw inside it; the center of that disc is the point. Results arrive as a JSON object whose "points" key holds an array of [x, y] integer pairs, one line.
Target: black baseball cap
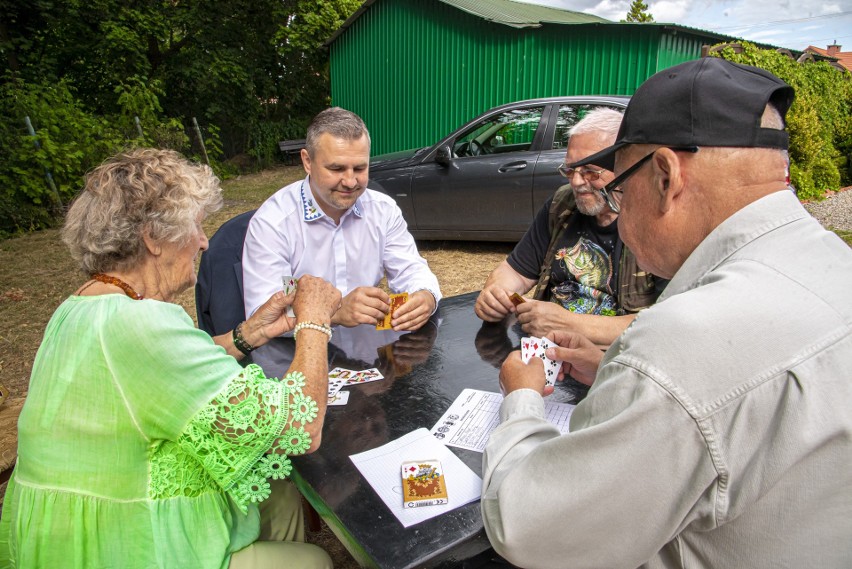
{"points": [[704, 102]]}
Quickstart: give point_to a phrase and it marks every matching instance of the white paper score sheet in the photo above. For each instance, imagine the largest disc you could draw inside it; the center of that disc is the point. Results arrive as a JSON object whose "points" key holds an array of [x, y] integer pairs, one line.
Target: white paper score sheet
{"points": [[474, 414], [380, 466]]}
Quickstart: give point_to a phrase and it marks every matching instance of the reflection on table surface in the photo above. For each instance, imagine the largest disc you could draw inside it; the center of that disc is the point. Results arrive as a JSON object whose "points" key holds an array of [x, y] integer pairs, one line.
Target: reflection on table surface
{"points": [[424, 372]]}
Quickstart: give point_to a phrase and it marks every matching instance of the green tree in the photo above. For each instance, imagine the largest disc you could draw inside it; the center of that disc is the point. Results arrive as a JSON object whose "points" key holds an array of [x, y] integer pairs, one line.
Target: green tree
{"points": [[70, 141], [304, 57], [819, 122], [638, 13], [83, 70]]}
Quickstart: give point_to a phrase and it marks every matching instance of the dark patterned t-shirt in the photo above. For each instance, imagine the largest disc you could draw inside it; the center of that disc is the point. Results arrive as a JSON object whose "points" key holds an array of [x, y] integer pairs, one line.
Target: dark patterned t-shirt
{"points": [[583, 276]]}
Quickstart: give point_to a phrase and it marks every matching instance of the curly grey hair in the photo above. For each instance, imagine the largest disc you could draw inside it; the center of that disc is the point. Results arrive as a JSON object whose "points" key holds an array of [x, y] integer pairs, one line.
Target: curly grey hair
{"points": [[146, 190], [337, 122]]}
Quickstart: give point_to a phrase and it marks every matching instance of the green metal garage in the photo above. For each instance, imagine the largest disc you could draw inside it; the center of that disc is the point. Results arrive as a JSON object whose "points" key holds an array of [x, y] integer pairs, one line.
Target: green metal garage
{"points": [[416, 69]]}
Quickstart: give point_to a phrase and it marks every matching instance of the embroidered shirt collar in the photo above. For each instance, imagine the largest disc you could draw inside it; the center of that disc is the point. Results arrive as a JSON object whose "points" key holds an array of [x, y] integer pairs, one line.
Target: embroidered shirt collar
{"points": [[312, 211]]}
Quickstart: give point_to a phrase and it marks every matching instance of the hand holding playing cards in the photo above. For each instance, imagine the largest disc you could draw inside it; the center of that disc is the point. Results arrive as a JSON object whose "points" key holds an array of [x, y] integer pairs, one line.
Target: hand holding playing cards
{"points": [[414, 312], [515, 374], [364, 305], [580, 357], [317, 301], [493, 303]]}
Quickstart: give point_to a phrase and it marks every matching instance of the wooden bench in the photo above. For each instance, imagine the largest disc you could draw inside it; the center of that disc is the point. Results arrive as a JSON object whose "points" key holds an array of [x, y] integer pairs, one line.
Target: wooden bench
{"points": [[291, 148]]}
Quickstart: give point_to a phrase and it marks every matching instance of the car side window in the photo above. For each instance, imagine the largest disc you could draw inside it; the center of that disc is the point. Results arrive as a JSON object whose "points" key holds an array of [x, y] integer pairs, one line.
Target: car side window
{"points": [[568, 116], [510, 131]]}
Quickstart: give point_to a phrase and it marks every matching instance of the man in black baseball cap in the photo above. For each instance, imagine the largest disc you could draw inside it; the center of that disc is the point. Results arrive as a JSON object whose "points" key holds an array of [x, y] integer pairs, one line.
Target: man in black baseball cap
{"points": [[717, 430], [708, 102]]}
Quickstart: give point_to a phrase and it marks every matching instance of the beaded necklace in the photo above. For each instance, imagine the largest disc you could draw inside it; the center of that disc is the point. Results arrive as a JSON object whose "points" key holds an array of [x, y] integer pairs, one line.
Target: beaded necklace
{"points": [[107, 279]]}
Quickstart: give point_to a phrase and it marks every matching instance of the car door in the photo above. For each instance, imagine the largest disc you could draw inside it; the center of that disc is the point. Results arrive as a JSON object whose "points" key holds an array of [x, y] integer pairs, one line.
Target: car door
{"points": [[486, 186]]}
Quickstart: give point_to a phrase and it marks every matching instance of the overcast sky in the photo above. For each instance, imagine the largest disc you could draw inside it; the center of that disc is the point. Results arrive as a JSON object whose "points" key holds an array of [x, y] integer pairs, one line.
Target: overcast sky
{"points": [[785, 23]]}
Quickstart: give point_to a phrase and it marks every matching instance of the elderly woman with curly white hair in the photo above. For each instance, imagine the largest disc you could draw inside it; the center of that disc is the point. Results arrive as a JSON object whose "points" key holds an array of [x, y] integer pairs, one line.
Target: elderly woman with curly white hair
{"points": [[144, 443]]}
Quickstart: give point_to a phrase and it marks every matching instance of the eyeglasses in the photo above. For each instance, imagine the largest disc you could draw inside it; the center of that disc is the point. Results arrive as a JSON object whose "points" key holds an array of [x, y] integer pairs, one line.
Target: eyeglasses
{"points": [[587, 174], [612, 188]]}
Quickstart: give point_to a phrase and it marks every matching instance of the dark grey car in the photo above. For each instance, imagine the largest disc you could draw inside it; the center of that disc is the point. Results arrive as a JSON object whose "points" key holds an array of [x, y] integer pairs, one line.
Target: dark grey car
{"points": [[486, 180]]}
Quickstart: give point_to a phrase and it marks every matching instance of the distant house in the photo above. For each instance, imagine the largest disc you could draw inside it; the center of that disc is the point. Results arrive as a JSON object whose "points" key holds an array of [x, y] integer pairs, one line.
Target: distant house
{"points": [[416, 69], [839, 59]]}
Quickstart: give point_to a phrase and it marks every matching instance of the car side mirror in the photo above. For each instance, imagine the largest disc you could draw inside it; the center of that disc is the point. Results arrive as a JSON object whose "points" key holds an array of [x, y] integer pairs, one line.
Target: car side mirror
{"points": [[444, 156]]}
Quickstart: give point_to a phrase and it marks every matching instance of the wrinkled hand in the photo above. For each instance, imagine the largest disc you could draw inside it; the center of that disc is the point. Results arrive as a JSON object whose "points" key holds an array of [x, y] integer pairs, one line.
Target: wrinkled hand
{"points": [[580, 357], [316, 300], [539, 318], [363, 305], [269, 321], [493, 303], [414, 312], [515, 374]]}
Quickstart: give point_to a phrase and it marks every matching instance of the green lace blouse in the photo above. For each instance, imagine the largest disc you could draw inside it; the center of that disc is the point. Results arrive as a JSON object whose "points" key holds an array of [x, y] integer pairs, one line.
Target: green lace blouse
{"points": [[142, 443]]}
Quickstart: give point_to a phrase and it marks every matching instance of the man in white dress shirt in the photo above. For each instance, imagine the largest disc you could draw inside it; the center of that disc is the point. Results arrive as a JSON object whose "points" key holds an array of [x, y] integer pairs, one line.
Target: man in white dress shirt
{"points": [[331, 226]]}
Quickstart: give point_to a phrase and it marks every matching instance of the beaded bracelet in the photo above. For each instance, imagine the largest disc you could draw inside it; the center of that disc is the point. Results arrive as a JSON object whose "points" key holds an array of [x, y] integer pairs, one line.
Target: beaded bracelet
{"points": [[240, 342], [318, 327]]}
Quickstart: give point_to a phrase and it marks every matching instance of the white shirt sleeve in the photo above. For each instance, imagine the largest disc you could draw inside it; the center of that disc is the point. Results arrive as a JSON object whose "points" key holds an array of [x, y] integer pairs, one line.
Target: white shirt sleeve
{"points": [[266, 259], [611, 493], [406, 269]]}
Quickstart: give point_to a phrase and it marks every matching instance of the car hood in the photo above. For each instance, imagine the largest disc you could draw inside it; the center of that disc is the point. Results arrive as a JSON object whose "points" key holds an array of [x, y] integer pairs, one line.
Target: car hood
{"points": [[396, 159]]}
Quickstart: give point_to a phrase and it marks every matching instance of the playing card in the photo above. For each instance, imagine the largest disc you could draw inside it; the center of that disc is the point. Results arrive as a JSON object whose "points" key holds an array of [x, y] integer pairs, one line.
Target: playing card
{"points": [[517, 299], [551, 367], [340, 398], [530, 347], [365, 376], [396, 300], [335, 385], [423, 484], [289, 284], [534, 347], [341, 373]]}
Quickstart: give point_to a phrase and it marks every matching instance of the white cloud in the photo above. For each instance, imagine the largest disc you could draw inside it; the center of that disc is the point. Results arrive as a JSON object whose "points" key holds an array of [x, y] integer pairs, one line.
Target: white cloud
{"points": [[669, 10], [787, 23]]}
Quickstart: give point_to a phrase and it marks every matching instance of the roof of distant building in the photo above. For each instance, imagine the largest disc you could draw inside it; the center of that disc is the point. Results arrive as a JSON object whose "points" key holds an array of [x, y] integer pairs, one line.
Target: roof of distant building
{"points": [[844, 58]]}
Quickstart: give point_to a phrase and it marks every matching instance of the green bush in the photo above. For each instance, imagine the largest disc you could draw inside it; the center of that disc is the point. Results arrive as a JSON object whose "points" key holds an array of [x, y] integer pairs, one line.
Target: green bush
{"points": [[819, 122], [70, 142], [265, 135]]}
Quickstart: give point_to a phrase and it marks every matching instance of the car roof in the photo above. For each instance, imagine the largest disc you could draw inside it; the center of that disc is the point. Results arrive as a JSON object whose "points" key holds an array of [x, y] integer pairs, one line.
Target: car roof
{"points": [[616, 99]]}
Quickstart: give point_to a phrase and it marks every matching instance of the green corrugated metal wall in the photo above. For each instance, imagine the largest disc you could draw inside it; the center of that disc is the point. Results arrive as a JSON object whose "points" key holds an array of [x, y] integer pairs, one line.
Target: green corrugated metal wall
{"points": [[414, 69]]}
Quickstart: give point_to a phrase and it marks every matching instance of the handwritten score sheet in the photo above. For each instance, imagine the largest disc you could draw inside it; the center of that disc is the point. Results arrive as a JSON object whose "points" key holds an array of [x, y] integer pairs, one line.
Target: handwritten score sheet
{"points": [[474, 414]]}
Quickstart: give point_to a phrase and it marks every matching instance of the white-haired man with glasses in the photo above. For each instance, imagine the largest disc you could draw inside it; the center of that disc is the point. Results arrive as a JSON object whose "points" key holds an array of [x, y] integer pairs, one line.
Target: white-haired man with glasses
{"points": [[717, 430], [585, 279]]}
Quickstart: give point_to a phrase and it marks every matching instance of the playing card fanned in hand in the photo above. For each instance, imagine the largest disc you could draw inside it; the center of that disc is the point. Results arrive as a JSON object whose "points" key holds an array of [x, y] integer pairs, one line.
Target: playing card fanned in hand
{"points": [[396, 300], [534, 347], [289, 285]]}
